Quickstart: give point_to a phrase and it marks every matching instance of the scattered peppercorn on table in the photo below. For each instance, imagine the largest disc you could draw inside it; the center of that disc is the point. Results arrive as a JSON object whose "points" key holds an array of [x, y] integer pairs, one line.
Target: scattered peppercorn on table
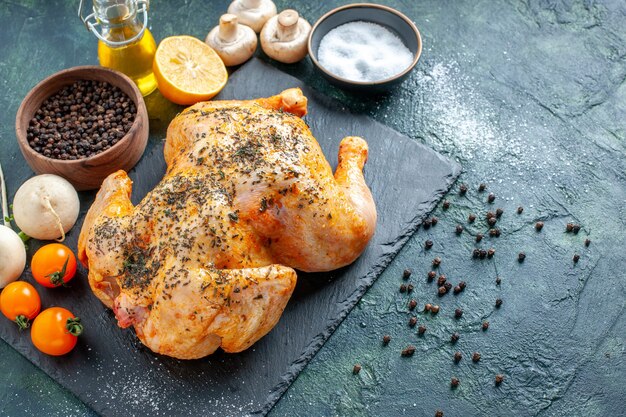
{"points": [[509, 300]]}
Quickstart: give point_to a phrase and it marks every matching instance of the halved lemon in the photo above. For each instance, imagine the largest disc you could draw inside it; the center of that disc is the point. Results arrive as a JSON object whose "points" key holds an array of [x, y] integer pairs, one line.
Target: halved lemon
{"points": [[188, 70]]}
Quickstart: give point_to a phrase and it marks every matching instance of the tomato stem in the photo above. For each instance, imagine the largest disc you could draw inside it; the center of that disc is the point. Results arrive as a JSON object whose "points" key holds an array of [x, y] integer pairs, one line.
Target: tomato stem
{"points": [[22, 322], [74, 327], [56, 278]]}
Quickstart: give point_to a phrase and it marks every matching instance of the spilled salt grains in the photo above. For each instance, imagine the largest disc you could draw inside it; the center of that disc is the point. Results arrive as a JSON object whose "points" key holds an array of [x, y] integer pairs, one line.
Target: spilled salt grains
{"points": [[356, 369], [408, 351], [363, 51]]}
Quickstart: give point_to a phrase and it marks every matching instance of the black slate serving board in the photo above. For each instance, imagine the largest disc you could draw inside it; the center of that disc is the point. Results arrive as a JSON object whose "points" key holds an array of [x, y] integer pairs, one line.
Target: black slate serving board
{"points": [[109, 369]]}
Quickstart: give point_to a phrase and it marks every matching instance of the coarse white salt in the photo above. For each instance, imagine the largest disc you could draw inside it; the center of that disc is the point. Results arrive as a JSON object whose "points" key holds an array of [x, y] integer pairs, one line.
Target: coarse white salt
{"points": [[363, 51]]}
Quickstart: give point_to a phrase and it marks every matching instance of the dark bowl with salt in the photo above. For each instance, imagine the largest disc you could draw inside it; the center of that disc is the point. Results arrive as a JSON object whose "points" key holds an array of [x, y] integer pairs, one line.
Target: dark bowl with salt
{"points": [[365, 48]]}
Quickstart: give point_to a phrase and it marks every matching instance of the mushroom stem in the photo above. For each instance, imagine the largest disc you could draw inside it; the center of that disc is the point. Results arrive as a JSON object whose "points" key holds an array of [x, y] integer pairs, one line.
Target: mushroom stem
{"points": [[228, 28], [5, 206], [287, 29], [251, 4]]}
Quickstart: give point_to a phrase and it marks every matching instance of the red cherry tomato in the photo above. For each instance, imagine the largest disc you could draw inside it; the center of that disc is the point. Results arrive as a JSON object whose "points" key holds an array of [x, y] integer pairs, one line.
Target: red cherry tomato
{"points": [[53, 265], [55, 331]]}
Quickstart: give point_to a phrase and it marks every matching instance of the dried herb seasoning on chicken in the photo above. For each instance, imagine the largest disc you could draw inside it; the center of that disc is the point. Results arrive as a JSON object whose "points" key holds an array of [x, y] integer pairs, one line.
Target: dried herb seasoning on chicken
{"points": [[205, 259]]}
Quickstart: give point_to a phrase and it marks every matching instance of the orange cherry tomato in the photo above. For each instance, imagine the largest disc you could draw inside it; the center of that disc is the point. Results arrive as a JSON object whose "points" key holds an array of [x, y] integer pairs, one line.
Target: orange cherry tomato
{"points": [[53, 265], [55, 331], [20, 302]]}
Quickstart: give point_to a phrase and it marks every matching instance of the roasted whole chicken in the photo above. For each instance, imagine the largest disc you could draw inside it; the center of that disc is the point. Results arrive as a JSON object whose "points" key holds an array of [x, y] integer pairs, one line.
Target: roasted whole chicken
{"points": [[207, 259]]}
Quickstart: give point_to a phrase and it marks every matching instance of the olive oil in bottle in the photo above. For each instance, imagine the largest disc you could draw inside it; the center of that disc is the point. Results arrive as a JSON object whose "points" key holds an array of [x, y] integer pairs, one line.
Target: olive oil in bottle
{"points": [[124, 42]]}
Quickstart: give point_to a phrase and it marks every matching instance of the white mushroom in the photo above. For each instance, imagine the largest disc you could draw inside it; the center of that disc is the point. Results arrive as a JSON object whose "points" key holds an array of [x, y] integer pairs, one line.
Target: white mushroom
{"points": [[284, 37], [234, 43], [253, 13]]}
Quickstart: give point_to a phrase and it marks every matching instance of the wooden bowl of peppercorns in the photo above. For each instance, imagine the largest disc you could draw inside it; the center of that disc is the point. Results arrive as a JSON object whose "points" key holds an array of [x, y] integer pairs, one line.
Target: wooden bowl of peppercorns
{"points": [[83, 123]]}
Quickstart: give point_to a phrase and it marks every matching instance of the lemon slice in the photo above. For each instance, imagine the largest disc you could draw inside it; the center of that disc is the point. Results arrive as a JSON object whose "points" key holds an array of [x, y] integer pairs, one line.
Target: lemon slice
{"points": [[188, 70]]}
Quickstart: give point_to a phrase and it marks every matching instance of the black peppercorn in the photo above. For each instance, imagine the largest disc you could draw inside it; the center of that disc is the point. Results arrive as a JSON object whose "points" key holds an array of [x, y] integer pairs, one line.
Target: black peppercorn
{"points": [[428, 244], [475, 357], [494, 232], [471, 218], [463, 189], [492, 221], [421, 330], [576, 258], [498, 280], [438, 413], [457, 357], [499, 379], [434, 309], [569, 227], [491, 198], [403, 288], [412, 321], [481, 188], [406, 274], [538, 226], [436, 262], [441, 280], [491, 252], [454, 338], [490, 215], [520, 257], [457, 289], [426, 224], [459, 229], [499, 212], [356, 369], [485, 325], [446, 204], [386, 339], [408, 351], [442, 291], [475, 253], [479, 237], [587, 242], [498, 302], [462, 285], [412, 304], [576, 229], [409, 288], [482, 254], [434, 220], [448, 286], [428, 307], [520, 210], [458, 313], [431, 276], [454, 382]]}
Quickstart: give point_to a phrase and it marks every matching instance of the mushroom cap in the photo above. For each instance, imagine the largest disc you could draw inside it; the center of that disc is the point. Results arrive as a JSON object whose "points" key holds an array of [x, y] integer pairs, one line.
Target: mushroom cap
{"points": [[289, 50], [253, 17], [236, 51]]}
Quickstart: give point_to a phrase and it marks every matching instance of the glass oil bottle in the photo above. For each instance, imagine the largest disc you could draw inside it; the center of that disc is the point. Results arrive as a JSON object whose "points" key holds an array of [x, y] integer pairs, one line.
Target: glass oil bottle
{"points": [[124, 42]]}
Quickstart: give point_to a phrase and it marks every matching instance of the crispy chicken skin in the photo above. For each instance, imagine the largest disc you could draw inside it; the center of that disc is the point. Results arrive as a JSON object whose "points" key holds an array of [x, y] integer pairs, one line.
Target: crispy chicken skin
{"points": [[205, 260]]}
